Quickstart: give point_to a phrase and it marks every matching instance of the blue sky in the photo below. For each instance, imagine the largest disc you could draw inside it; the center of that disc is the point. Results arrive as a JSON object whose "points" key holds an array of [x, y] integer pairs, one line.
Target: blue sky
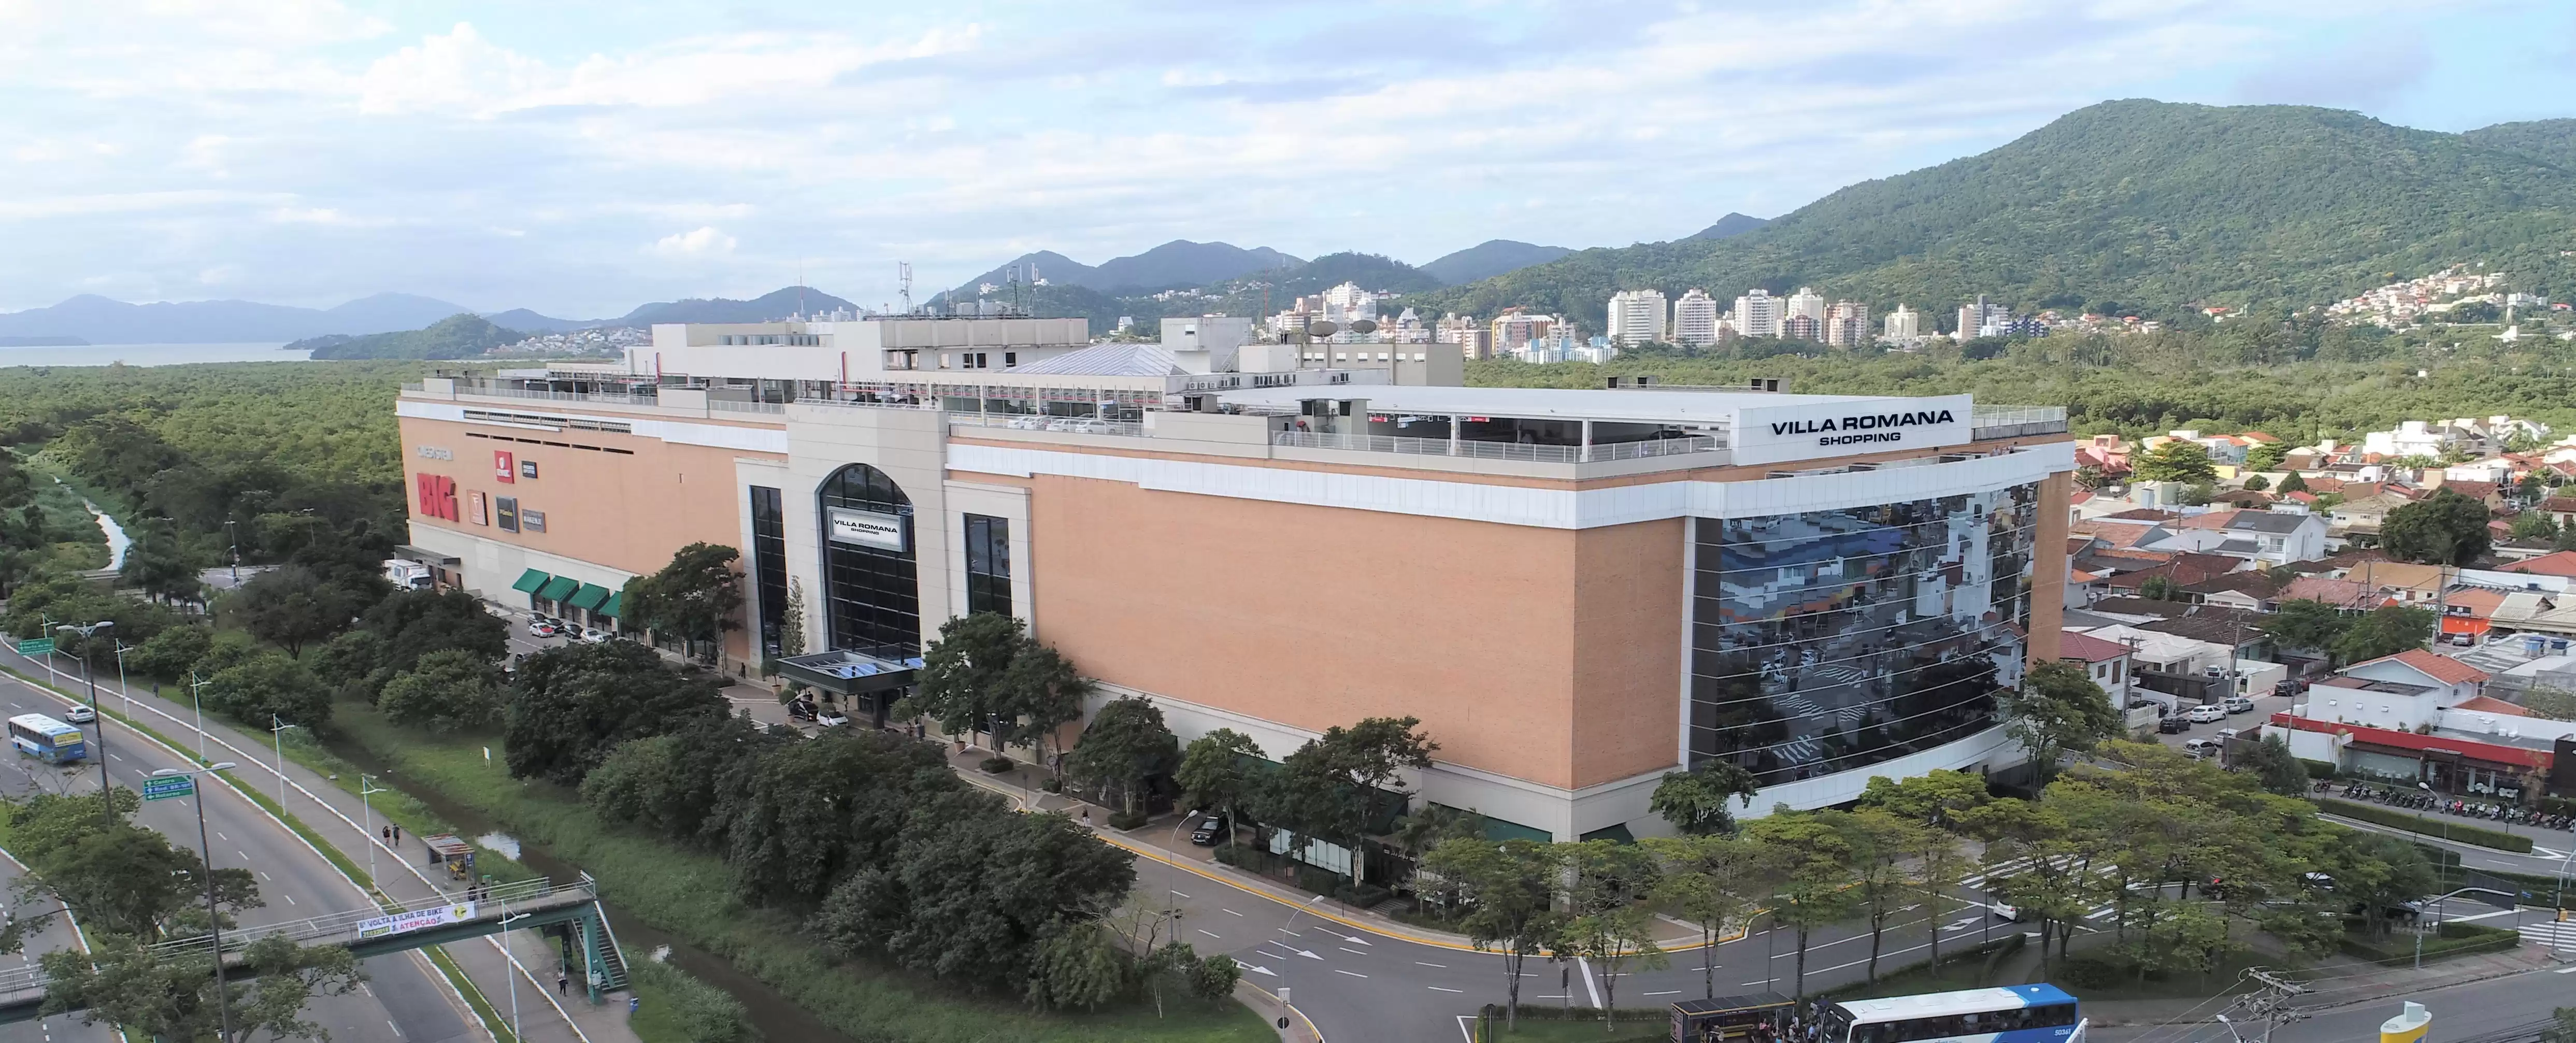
{"points": [[579, 157]]}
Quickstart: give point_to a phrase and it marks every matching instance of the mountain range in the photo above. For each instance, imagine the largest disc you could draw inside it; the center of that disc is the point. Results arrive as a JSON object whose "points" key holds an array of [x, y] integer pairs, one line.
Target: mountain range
{"points": [[2130, 207], [98, 320]]}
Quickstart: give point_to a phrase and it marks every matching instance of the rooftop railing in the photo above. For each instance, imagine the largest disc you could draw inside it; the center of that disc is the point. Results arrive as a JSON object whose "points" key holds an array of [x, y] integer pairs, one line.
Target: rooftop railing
{"points": [[1469, 448], [1079, 425]]}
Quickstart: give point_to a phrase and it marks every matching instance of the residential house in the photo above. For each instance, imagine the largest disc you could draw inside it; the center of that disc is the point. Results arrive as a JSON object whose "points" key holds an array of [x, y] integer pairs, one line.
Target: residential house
{"points": [[2243, 498], [2108, 453], [2445, 764], [2273, 537], [2171, 669], [2238, 630], [2105, 661], [2359, 517], [2340, 593], [2251, 591], [2400, 582], [2403, 692], [2556, 563], [2560, 509]]}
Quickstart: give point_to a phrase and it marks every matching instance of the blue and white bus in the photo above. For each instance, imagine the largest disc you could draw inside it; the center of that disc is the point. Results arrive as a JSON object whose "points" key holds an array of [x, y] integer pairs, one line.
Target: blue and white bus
{"points": [[2011, 1014], [46, 739]]}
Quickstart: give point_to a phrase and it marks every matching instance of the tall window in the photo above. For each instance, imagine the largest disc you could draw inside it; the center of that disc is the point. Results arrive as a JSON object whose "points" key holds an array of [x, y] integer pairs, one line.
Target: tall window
{"points": [[769, 564], [872, 591], [988, 564]]}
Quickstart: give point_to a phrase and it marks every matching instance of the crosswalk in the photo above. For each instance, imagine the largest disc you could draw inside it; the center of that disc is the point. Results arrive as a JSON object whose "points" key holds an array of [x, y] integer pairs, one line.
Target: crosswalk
{"points": [[2558, 935]]}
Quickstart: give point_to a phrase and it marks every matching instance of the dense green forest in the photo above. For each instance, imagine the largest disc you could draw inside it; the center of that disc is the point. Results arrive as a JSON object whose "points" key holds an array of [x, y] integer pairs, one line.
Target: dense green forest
{"points": [[1244, 296], [2297, 381], [286, 450], [2130, 207]]}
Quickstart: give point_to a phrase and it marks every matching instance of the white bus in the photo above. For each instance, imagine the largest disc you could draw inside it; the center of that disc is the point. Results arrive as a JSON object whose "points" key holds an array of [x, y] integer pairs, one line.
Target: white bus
{"points": [[46, 739], [2011, 1014]]}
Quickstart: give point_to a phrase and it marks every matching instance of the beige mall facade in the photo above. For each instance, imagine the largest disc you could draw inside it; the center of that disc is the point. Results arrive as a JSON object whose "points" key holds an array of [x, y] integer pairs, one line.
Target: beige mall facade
{"points": [[1576, 591]]}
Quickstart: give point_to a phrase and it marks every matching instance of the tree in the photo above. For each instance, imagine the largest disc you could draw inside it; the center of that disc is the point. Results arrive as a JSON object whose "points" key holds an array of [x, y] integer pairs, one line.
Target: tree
{"points": [[1218, 771], [959, 685], [974, 901], [2156, 588], [2173, 461], [266, 683], [2305, 623], [2058, 710], [791, 623], [2266, 456], [1940, 861], [445, 693], [1694, 801], [1712, 881], [1879, 843], [1607, 883], [292, 606], [697, 597], [2380, 871], [2557, 704], [1041, 693], [570, 705], [2281, 773], [1342, 781], [2384, 631], [1125, 745], [170, 653], [2089, 477], [1814, 886], [123, 879], [415, 623], [1939, 797], [810, 814], [2049, 880], [172, 995], [1508, 892], [2534, 525], [2445, 528], [1075, 964], [2291, 483], [2198, 494], [2257, 483], [158, 565]]}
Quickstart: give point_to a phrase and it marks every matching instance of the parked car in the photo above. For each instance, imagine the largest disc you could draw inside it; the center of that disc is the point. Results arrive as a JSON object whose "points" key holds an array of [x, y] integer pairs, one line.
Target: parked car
{"points": [[2207, 712], [831, 717], [1210, 830], [2172, 724], [2003, 911], [542, 627], [2200, 749], [800, 709], [78, 714], [592, 635], [2225, 734], [2236, 704]]}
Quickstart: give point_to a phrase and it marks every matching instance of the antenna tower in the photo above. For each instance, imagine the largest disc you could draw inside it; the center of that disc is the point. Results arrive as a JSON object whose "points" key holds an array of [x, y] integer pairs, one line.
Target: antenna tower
{"points": [[903, 276]]}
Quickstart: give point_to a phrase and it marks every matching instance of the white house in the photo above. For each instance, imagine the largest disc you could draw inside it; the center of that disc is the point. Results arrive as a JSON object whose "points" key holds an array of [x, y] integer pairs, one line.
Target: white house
{"points": [[2274, 537], [2405, 692]]}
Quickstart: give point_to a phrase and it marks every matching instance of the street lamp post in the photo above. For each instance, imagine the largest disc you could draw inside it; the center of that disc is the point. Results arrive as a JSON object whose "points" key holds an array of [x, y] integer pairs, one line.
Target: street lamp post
{"points": [[128, 693], [368, 788], [198, 701], [278, 727], [214, 920], [2513, 899], [231, 537], [507, 918], [107, 803]]}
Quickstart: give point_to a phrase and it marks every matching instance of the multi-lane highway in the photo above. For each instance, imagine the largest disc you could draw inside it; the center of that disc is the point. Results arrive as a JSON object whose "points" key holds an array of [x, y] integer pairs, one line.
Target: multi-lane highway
{"points": [[403, 1001]]}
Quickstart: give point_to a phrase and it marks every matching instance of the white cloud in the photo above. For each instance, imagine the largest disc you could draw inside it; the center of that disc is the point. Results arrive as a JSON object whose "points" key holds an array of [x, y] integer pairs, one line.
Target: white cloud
{"points": [[704, 241]]}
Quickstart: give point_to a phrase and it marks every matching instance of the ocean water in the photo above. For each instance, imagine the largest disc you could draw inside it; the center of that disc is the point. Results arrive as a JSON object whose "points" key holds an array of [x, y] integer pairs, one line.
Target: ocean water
{"points": [[148, 354]]}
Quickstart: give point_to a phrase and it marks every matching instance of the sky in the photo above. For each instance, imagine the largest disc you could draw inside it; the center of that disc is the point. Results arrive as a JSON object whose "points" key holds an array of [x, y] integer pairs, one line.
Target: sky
{"points": [[581, 156]]}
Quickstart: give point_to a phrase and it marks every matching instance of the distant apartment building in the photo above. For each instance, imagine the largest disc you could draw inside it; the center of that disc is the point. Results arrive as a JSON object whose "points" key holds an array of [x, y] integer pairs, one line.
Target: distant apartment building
{"points": [[1904, 326], [1758, 314], [1806, 302], [1695, 319], [1847, 324], [1802, 327], [1982, 319], [1514, 329], [1637, 317]]}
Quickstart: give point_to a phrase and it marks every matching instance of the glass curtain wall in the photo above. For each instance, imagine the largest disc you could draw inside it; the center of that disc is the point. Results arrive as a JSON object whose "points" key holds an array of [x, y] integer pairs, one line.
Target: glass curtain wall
{"points": [[1829, 641], [872, 593]]}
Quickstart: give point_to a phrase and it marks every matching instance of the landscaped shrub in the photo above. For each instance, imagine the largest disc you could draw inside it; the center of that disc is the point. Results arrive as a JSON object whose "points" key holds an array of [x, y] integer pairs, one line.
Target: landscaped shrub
{"points": [[2431, 826], [997, 765], [2318, 769], [2452, 940]]}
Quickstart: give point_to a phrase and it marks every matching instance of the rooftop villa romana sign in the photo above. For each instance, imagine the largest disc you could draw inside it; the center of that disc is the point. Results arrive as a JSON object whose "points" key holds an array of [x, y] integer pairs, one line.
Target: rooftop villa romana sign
{"points": [[1821, 429]]}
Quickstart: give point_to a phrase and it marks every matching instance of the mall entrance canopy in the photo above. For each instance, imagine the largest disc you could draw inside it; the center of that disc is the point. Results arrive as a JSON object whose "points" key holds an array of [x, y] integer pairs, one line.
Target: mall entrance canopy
{"points": [[851, 674]]}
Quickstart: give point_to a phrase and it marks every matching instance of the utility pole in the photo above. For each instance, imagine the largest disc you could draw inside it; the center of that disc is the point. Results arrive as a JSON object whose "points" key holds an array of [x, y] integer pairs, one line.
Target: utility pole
{"points": [[89, 673], [2273, 1003], [197, 700], [278, 727], [206, 861]]}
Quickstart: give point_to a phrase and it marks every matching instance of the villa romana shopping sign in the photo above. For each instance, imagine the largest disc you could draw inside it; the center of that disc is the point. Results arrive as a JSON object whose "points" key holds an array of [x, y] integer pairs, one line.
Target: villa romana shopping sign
{"points": [[1823, 427], [870, 529]]}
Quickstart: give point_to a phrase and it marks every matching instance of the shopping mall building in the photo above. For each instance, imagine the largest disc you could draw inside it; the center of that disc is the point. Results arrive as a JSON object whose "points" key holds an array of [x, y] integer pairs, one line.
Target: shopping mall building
{"points": [[1575, 591]]}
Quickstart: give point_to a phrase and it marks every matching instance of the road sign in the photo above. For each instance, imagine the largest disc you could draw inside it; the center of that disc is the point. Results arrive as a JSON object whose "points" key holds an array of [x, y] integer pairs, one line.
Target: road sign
{"points": [[164, 787], [36, 646]]}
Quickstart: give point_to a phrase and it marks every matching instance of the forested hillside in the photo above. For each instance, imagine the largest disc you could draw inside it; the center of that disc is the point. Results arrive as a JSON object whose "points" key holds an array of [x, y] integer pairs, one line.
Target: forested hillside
{"points": [[2552, 141], [2127, 206], [454, 337]]}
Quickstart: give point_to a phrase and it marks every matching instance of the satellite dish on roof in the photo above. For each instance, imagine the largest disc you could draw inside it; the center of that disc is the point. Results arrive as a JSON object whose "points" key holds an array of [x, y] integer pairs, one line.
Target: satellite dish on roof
{"points": [[1363, 326], [1323, 329]]}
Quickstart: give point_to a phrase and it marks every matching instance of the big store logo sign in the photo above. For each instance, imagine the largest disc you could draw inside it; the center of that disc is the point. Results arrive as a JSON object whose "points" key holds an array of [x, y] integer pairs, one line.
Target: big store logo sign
{"points": [[1817, 430]]}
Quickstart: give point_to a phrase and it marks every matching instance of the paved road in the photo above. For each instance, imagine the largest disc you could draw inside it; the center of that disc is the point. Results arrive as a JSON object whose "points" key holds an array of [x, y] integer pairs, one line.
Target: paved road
{"points": [[2460, 1012], [404, 1001]]}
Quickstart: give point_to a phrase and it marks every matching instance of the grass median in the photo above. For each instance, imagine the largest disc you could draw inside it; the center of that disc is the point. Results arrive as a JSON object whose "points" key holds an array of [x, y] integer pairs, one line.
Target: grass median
{"points": [[691, 895], [2427, 825]]}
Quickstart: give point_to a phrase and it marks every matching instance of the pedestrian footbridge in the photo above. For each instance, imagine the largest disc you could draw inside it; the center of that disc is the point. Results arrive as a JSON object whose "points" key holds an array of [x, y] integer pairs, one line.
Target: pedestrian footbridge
{"points": [[571, 910]]}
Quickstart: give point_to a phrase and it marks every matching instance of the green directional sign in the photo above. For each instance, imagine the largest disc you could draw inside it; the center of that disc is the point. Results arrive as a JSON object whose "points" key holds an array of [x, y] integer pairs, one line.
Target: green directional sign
{"points": [[164, 787], [36, 646]]}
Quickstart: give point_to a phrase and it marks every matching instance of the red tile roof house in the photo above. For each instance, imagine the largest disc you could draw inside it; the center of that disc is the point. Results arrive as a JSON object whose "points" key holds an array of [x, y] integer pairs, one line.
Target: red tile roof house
{"points": [[2106, 662], [2405, 692]]}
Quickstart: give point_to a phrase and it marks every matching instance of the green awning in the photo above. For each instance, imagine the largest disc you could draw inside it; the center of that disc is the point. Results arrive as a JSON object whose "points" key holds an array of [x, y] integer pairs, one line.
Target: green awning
{"points": [[590, 595], [1499, 830], [609, 607], [529, 581], [559, 588]]}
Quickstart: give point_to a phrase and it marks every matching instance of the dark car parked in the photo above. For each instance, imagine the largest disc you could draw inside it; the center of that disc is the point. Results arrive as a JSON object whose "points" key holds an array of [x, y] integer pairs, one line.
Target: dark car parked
{"points": [[1210, 829], [2173, 724]]}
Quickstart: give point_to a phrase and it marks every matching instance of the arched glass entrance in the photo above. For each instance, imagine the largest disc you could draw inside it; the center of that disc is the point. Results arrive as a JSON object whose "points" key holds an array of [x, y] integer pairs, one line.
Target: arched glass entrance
{"points": [[871, 587]]}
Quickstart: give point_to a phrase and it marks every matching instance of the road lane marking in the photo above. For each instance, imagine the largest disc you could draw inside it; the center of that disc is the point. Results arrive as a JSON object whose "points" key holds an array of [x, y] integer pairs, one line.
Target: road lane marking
{"points": [[1230, 912], [1209, 933], [1290, 933], [219, 835], [1177, 893], [290, 899], [1354, 974], [1589, 985], [244, 856], [1442, 966], [1675, 992], [1436, 988], [1350, 950], [263, 874]]}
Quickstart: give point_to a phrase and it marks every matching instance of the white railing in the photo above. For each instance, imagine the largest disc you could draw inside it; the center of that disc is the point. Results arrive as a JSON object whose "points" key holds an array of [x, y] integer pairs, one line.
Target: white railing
{"points": [[1072, 425], [479, 390], [727, 405], [2008, 421], [1546, 454]]}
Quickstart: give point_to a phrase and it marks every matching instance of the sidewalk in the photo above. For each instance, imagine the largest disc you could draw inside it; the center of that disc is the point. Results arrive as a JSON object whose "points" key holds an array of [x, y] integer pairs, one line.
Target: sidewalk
{"points": [[2336, 984], [335, 814]]}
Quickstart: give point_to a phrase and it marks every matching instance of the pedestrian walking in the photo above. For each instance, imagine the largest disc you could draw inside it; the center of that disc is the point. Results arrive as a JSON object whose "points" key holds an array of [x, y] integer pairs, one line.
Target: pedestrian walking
{"points": [[387, 833], [1086, 816], [563, 983], [397, 834]]}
